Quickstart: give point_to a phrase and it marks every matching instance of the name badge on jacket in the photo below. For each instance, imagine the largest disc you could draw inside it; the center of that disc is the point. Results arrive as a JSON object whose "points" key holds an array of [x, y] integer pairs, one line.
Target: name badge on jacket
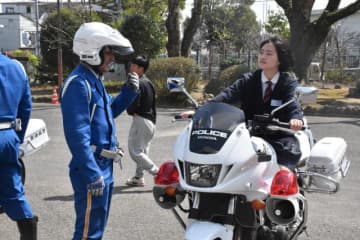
{"points": [[275, 103]]}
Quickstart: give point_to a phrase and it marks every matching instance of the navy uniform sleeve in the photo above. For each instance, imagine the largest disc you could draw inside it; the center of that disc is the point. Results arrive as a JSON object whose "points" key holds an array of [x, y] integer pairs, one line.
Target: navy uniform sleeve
{"points": [[77, 130], [233, 93]]}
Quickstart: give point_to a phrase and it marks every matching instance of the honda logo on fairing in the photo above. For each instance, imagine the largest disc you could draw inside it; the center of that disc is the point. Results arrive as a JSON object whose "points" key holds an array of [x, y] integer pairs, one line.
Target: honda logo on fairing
{"points": [[207, 132]]}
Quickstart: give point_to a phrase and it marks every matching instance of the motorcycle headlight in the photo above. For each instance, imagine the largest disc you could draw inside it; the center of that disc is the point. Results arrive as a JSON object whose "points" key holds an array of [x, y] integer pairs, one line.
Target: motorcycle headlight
{"points": [[202, 175]]}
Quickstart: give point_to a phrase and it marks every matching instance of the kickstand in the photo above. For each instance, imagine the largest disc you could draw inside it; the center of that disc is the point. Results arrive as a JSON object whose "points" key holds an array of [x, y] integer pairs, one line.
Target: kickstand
{"points": [[178, 218]]}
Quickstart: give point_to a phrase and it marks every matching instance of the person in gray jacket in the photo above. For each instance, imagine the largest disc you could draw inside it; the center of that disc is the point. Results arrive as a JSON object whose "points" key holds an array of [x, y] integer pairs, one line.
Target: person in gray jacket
{"points": [[143, 111]]}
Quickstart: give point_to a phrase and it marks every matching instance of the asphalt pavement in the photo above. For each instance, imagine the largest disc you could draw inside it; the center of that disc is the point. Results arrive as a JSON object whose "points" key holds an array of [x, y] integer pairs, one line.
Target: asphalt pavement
{"points": [[134, 213]]}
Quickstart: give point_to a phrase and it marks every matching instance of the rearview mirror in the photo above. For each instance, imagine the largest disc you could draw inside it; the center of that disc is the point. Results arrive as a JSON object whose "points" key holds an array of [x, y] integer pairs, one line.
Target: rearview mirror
{"points": [[306, 95], [177, 84]]}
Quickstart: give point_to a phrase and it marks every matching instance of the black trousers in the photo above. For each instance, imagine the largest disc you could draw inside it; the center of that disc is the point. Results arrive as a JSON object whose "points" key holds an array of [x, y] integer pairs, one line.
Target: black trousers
{"points": [[287, 149]]}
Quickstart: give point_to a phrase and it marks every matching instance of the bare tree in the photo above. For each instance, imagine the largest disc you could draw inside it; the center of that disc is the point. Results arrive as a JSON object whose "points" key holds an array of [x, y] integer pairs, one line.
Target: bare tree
{"points": [[174, 46], [173, 28], [307, 35], [191, 28]]}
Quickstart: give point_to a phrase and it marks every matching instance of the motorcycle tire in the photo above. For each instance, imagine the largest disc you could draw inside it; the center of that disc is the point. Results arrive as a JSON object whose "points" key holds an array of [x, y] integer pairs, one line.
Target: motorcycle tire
{"points": [[22, 179], [264, 233], [281, 233], [243, 233]]}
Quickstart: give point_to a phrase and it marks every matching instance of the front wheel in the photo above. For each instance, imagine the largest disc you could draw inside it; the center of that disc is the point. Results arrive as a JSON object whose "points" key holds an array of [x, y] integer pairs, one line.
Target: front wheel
{"points": [[244, 233], [281, 233], [22, 179]]}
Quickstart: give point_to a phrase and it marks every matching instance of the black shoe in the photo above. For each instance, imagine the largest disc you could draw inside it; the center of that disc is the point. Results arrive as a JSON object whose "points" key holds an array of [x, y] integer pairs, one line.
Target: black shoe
{"points": [[28, 228]]}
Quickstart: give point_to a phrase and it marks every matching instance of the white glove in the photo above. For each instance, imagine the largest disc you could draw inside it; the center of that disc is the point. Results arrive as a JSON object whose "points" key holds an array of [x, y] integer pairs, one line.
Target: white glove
{"points": [[133, 81], [119, 156], [96, 188]]}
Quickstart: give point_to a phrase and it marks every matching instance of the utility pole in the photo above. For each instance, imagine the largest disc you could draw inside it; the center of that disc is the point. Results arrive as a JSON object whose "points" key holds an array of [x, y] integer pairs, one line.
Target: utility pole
{"points": [[37, 35], [90, 9], [59, 52]]}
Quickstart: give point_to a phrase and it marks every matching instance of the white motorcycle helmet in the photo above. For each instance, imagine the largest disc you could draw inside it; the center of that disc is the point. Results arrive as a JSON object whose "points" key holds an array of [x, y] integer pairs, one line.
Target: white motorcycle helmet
{"points": [[91, 37]]}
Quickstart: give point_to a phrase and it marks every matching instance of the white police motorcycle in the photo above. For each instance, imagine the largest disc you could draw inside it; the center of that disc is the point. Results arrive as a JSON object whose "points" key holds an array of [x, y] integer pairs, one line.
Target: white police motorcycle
{"points": [[234, 186], [36, 136]]}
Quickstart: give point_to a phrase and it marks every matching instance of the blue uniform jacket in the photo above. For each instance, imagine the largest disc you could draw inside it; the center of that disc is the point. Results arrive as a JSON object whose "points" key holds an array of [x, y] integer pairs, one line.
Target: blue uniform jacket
{"points": [[15, 94], [80, 130]]}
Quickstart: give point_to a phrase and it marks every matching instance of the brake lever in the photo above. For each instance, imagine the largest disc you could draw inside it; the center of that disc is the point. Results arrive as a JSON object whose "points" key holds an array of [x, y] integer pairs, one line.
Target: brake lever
{"points": [[275, 128]]}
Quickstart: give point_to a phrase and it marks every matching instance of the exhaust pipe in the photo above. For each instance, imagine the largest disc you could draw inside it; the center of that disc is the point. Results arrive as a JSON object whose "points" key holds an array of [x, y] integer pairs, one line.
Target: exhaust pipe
{"points": [[282, 211]]}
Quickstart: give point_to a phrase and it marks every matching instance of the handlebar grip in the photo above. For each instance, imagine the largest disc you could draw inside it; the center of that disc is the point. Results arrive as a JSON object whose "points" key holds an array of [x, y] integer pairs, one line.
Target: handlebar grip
{"points": [[283, 124], [287, 125], [178, 117]]}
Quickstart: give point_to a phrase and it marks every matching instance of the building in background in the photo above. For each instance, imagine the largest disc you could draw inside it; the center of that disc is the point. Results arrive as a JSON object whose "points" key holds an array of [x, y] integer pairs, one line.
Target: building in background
{"points": [[343, 43], [17, 32], [18, 22]]}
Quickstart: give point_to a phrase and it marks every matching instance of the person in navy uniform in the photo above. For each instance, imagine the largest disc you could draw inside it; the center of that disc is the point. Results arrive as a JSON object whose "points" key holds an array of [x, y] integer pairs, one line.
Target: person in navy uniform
{"points": [[265, 89], [15, 110], [88, 119]]}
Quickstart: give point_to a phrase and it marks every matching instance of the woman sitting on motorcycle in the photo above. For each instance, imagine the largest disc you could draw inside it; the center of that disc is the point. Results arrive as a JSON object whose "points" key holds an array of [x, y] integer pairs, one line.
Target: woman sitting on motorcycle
{"points": [[265, 89]]}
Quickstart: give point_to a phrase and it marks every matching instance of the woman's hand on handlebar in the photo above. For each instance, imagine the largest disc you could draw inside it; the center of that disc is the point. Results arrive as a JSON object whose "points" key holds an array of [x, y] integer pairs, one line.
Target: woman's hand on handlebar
{"points": [[187, 114], [296, 124]]}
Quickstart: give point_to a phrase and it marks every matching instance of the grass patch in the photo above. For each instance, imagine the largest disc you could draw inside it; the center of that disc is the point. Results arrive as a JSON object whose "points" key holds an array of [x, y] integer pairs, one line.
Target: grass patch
{"points": [[333, 93]]}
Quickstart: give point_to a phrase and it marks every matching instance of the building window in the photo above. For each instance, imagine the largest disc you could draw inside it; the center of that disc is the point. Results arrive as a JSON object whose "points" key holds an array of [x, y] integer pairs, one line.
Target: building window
{"points": [[9, 10], [28, 9]]}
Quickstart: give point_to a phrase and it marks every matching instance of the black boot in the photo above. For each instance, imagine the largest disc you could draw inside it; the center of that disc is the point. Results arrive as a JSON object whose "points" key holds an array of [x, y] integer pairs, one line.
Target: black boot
{"points": [[28, 228]]}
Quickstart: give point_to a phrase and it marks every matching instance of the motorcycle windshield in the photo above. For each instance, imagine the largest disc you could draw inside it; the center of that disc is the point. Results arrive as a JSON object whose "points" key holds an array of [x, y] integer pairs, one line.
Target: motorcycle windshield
{"points": [[213, 123]]}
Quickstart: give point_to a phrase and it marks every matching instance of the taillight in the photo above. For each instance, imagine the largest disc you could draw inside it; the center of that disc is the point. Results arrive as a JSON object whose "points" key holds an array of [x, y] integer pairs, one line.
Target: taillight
{"points": [[284, 183], [168, 174]]}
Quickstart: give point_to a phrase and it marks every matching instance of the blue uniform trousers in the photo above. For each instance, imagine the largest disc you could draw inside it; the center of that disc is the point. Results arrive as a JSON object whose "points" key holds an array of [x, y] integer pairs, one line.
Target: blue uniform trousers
{"points": [[12, 195], [91, 211]]}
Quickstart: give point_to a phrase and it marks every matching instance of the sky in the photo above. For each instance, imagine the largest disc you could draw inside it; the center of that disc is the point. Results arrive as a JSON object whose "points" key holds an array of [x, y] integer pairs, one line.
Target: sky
{"points": [[261, 7]]}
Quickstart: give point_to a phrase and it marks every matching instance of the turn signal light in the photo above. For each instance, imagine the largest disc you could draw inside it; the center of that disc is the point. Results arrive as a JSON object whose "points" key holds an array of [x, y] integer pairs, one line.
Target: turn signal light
{"points": [[284, 183], [170, 191], [168, 174], [258, 204]]}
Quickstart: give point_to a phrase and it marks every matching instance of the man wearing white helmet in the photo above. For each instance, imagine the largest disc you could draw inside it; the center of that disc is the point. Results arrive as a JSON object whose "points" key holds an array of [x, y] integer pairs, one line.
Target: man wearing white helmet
{"points": [[88, 119]]}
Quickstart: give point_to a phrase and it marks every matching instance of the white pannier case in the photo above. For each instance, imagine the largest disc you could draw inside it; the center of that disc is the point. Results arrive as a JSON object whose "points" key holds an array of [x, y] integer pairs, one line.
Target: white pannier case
{"points": [[328, 158], [36, 136]]}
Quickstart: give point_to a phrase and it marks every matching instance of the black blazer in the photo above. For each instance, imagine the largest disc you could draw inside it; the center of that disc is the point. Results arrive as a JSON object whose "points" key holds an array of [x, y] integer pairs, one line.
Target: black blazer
{"points": [[248, 92], [144, 104]]}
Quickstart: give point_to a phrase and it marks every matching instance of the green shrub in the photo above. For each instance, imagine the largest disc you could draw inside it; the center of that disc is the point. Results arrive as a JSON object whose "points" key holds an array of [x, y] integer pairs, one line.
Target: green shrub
{"points": [[228, 62], [334, 76], [161, 69], [226, 78], [358, 85], [32, 63]]}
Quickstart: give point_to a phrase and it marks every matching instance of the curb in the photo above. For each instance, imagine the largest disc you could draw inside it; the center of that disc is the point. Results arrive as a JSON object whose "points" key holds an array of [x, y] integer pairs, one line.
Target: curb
{"points": [[333, 112], [330, 111]]}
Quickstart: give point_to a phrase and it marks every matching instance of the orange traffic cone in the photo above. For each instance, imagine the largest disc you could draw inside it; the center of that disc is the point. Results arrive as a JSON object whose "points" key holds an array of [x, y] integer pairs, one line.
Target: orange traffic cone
{"points": [[54, 98]]}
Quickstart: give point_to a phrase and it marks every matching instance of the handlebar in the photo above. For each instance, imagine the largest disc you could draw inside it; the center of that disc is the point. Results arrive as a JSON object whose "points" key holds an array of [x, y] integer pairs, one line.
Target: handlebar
{"points": [[178, 118], [265, 123]]}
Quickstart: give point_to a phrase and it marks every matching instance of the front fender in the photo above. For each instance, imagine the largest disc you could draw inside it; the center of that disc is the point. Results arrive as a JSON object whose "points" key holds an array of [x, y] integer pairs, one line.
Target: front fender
{"points": [[203, 230]]}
